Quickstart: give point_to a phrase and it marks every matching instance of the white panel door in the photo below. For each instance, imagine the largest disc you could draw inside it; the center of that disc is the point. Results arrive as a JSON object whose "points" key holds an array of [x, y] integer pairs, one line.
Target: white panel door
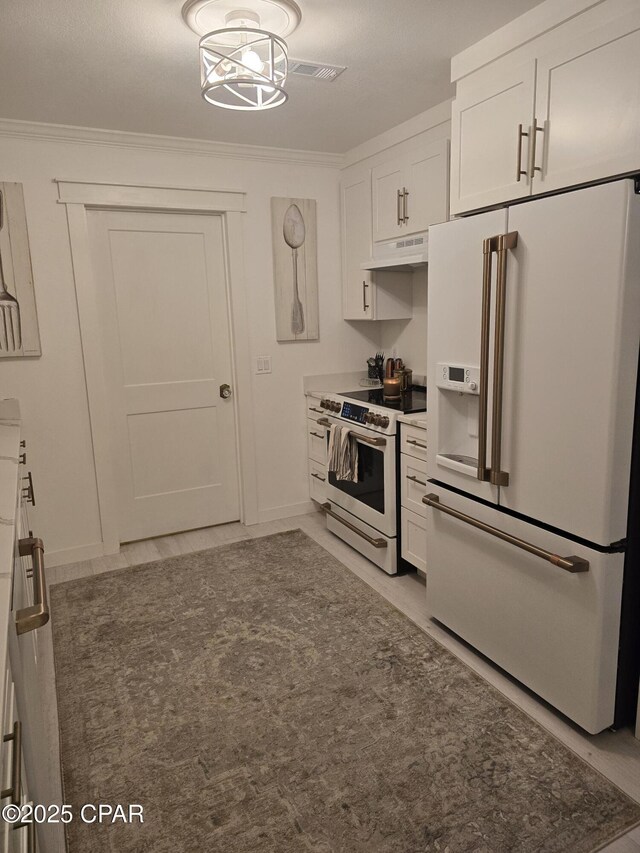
{"points": [[571, 354], [162, 294], [453, 337], [486, 147], [588, 99], [554, 631]]}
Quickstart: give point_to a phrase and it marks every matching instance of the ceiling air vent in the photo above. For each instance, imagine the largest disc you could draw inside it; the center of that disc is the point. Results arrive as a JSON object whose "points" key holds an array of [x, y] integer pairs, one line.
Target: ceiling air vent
{"points": [[319, 71]]}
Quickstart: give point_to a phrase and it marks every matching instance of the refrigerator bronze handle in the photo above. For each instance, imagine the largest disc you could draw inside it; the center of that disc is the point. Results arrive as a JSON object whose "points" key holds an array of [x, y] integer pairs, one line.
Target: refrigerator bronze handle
{"points": [[488, 247], [37, 615], [569, 564], [498, 477], [399, 207]]}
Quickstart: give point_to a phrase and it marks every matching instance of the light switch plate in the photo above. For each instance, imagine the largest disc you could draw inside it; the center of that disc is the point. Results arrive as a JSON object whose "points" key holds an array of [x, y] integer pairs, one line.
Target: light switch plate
{"points": [[263, 364]]}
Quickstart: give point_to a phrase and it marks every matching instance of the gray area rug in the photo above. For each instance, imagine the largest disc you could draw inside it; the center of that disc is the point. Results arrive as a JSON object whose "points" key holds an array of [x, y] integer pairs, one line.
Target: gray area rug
{"points": [[260, 697]]}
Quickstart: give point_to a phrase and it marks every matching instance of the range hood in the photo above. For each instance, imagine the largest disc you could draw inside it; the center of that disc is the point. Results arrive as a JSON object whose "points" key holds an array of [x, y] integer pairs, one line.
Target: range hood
{"points": [[404, 254]]}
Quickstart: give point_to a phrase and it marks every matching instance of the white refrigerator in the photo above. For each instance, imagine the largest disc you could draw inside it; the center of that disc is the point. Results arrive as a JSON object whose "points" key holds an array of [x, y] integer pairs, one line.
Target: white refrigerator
{"points": [[533, 338]]}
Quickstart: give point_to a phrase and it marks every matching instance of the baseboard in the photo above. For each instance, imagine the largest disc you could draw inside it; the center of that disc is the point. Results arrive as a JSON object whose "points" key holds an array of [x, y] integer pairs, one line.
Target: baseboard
{"points": [[277, 512], [74, 555]]}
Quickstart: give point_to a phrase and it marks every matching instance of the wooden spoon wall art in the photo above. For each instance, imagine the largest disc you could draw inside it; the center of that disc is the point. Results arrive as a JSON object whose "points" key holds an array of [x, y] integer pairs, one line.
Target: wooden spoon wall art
{"points": [[19, 335], [295, 268]]}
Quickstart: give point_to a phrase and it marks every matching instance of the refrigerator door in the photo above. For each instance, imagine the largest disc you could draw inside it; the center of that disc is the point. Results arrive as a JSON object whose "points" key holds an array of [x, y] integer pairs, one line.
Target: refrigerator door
{"points": [[570, 359], [555, 631], [457, 271]]}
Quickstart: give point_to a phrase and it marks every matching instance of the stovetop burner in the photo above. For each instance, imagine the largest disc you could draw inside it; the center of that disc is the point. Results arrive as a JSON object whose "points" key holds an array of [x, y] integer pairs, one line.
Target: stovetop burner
{"points": [[409, 403]]}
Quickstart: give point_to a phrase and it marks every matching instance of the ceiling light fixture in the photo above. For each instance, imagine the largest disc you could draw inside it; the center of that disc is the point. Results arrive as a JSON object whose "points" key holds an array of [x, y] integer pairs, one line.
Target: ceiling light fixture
{"points": [[243, 66]]}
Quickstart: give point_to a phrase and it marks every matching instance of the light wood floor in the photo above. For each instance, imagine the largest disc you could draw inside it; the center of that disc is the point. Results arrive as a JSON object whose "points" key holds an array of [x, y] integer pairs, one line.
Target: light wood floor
{"points": [[616, 755]]}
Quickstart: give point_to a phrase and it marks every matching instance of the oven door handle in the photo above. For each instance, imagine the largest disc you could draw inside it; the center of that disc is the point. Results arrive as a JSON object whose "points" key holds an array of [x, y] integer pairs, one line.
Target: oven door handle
{"points": [[376, 441], [377, 542]]}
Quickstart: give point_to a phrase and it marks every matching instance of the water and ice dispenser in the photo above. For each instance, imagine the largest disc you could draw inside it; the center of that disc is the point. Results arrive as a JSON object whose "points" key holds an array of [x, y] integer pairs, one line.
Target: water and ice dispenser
{"points": [[458, 417]]}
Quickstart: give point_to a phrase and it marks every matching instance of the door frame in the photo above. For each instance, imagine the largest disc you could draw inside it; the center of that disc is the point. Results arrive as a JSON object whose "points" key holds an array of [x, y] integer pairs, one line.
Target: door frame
{"points": [[80, 197]]}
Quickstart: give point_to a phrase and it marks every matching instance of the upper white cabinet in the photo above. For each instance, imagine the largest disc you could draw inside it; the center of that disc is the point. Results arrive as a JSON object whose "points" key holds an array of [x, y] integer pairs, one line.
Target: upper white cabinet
{"points": [[356, 245], [398, 190], [367, 295], [488, 143], [410, 191], [564, 110], [588, 102]]}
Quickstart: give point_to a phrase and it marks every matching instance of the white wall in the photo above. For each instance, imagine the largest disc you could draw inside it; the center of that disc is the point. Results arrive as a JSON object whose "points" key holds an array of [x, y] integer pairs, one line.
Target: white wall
{"points": [[407, 339], [52, 389]]}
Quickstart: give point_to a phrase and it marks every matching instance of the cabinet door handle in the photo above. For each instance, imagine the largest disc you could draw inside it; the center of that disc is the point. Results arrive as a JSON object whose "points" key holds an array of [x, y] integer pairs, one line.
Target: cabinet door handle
{"points": [[317, 434], [416, 443], [569, 564], [27, 491], [318, 477], [37, 615], [405, 204], [399, 212], [415, 480], [532, 149], [365, 305], [14, 790], [314, 409], [519, 170]]}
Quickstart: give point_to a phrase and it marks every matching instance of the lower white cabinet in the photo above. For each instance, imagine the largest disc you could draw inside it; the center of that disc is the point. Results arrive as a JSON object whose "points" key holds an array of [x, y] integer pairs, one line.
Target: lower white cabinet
{"points": [[317, 442], [414, 539], [316, 450], [23, 613], [413, 487]]}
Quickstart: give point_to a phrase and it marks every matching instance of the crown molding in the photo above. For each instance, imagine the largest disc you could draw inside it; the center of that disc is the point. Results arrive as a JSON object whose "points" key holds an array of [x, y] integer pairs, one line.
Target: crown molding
{"points": [[200, 147], [427, 120], [528, 26]]}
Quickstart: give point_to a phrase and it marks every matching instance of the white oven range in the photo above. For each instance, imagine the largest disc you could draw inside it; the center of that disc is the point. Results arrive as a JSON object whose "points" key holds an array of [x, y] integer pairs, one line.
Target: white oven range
{"points": [[364, 514]]}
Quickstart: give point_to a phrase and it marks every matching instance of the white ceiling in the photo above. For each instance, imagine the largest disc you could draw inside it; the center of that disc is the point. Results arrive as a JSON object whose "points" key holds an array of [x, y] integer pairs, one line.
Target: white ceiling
{"points": [[132, 65]]}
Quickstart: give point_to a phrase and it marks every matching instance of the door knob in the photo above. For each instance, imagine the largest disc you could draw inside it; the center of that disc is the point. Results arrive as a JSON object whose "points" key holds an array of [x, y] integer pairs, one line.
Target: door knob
{"points": [[225, 391]]}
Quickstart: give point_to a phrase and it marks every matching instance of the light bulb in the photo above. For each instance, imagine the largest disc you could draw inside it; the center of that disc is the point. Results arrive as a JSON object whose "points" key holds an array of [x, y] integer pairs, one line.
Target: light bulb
{"points": [[251, 59]]}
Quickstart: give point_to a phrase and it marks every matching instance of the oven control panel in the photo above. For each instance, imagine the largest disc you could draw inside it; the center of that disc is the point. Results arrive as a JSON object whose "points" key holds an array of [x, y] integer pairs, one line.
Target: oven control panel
{"points": [[353, 412], [458, 377]]}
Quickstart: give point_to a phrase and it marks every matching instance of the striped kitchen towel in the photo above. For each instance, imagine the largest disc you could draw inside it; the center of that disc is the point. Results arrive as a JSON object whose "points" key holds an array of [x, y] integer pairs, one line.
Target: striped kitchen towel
{"points": [[343, 453]]}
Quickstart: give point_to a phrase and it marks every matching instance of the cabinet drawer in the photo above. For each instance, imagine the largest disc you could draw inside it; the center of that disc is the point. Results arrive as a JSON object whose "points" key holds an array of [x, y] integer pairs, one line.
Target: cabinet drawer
{"points": [[317, 481], [414, 539], [317, 440], [413, 484], [414, 441], [313, 409]]}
